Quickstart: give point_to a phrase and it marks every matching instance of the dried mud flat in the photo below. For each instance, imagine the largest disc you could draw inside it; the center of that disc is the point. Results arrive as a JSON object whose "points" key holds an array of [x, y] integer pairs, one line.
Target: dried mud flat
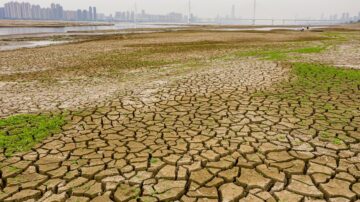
{"points": [[345, 55], [189, 123]]}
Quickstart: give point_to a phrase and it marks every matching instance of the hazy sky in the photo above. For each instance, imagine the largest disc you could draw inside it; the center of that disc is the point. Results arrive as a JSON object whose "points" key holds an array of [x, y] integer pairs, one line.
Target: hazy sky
{"points": [[212, 8]]}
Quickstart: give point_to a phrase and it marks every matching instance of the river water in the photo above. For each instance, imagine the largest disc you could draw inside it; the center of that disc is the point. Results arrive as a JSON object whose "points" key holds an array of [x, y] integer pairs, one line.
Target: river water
{"points": [[28, 44], [11, 31], [38, 30]]}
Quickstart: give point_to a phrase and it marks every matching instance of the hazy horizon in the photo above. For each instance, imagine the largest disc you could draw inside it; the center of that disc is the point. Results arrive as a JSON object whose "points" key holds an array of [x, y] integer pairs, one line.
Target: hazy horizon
{"points": [[206, 9]]}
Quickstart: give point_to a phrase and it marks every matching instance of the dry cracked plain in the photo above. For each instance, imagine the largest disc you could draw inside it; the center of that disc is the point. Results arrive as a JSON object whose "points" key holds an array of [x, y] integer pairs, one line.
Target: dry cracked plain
{"points": [[202, 135]]}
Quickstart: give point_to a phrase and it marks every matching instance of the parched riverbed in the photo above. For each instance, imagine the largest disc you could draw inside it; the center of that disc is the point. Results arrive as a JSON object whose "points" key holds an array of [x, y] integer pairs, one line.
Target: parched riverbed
{"points": [[186, 115]]}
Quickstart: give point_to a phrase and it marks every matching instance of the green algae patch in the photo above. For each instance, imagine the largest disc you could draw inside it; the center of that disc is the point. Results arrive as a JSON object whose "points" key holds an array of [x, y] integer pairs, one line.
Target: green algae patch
{"points": [[20, 133]]}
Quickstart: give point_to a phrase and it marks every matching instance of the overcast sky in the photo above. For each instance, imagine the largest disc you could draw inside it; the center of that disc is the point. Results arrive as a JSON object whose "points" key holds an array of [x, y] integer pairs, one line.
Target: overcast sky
{"points": [[212, 8]]}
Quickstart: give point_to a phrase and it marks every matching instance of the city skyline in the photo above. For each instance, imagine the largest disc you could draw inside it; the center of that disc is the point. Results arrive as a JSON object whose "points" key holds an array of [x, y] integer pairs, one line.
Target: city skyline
{"points": [[266, 8], [27, 11]]}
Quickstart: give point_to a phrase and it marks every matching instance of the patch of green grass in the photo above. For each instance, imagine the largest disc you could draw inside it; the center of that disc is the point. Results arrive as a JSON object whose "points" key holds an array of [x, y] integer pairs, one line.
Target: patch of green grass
{"points": [[21, 132], [154, 160], [281, 53], [318, 88], [281, 137], [154, 192], [13, 169], [325, 72], [325, 135], [118, 60], [337, 141], [335, 36], [329, 106], [267, 55], [136, 192], [322, 77], [311, 80], [275, 56], [188, 46], [316, 49]]}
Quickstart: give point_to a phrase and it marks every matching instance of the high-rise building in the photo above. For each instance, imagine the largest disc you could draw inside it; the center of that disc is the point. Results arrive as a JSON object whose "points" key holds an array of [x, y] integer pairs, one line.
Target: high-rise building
{"points": [[59, 12], [94, 13], [84, 15], [46, 13], [78, 14], [53, 11], [2, 13], [26, 11], [70, 15], [90, 13], [36, 12], [18, 13], [12, 10], [146, 17]]}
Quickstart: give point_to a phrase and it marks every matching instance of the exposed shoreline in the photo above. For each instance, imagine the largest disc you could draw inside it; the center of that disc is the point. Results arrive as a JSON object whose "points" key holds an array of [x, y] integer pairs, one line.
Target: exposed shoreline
{"points": [[29, 40], [189, 114]]}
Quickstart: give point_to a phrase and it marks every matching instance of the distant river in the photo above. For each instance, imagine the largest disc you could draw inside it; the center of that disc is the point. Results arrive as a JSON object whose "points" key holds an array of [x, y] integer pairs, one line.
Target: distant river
{"points": [[38, 30]]}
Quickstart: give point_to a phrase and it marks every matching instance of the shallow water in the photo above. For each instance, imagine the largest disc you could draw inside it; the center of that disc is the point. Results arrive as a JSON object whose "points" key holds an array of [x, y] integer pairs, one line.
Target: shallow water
{"points": [[28, 44], [36, 30]]}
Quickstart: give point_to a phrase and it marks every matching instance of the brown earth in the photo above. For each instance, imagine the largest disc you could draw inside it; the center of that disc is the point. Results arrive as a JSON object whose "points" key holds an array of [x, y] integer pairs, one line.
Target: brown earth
{"points": [[176, 117]]}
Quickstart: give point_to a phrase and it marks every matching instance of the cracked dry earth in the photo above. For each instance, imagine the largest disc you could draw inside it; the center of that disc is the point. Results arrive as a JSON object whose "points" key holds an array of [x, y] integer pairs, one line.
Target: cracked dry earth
{"points": [[345, 55], [203, 137], [32, 97]]}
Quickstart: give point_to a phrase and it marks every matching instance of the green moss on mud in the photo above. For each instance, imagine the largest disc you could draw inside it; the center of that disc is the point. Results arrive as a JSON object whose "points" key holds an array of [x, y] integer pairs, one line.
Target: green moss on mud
{"points": [[323, 77], [21, 132], [282, 53]]}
